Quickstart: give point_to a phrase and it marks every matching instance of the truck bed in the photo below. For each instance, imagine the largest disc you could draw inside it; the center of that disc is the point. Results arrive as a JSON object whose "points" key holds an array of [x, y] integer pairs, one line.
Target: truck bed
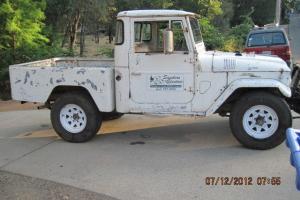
{"points": [[35, 81]]}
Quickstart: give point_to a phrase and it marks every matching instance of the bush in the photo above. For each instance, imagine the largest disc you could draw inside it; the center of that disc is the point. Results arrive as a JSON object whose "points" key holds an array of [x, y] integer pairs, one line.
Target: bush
{"points": [[231, 45], [236, 38], [212, 37]]}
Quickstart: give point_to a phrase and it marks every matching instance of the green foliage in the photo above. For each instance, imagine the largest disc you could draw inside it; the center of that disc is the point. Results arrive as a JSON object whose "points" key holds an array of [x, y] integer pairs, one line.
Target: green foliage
{"points": [[237, 36], [205, 8], [21, 29], [231, 44], [107, 52], [143, 4], [212, 37], [22, 24], [223, 21], [23, 36]]}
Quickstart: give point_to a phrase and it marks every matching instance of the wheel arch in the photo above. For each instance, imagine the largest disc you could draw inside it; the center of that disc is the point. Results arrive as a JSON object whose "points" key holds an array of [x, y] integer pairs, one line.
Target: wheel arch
{"points": [[237, 94], [238, 88], [60, 90]]}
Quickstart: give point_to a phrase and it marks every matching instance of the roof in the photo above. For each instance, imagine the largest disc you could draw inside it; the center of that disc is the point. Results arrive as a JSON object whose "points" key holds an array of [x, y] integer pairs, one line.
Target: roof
{"points": [[148, 13], [267, 29]]}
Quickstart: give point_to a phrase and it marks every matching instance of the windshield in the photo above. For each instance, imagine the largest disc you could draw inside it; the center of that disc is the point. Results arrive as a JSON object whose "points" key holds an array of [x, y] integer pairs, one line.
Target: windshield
{"points": [[196, 30]]}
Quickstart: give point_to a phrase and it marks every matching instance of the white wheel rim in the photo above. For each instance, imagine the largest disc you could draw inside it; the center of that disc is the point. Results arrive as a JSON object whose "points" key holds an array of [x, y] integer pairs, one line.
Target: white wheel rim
{"points": [[260, 122], [73, 118]]}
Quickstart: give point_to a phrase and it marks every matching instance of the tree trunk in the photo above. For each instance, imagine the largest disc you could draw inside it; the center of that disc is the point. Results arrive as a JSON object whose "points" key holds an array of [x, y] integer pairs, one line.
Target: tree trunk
{"points": [[14, 47], [97, 34], [82, 39], [110, 35], [73, 29], [67, 32]]}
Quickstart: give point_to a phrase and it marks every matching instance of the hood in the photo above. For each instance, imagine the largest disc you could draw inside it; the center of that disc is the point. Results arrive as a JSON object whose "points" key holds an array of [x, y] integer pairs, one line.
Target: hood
{"points": [[231, 62]]}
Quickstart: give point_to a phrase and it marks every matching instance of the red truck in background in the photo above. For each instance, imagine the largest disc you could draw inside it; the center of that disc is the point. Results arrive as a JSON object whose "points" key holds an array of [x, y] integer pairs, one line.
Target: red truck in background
{"points": [[272, 41]]}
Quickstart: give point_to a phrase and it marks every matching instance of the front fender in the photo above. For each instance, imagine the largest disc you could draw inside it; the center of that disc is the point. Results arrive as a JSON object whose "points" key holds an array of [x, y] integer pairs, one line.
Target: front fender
{"points": [[248, 83]]}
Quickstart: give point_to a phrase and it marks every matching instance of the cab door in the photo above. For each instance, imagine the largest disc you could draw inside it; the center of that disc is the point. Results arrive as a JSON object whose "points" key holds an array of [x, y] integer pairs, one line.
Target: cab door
{"points": [[157, 78]]}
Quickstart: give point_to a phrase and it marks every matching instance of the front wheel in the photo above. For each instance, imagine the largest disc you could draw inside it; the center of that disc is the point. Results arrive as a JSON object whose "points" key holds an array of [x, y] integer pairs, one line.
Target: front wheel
{"points": [[259, 120], [75, 117]]}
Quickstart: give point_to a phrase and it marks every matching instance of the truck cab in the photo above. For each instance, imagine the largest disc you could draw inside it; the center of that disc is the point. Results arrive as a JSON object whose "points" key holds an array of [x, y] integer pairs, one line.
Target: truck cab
{"points": [[161, 67], [154, 80]]}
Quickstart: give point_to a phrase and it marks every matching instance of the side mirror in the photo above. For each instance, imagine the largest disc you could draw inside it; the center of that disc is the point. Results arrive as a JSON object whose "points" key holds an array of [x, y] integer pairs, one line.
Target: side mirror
{"points": [[168, 41]]}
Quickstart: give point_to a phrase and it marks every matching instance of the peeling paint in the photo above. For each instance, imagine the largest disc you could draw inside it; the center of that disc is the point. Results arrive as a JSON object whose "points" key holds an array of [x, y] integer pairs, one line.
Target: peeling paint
{"points": [[81, 71], [27, 76], [252, 75], [17, 81], [51, 81], [91, 83], [59, 69], [61, 80], [75, 81]]}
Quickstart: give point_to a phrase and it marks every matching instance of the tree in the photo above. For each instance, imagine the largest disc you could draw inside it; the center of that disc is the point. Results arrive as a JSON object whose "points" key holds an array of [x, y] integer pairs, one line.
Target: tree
{"points": [[205, 8], [223, 21], [212, 37], [23, 24], [264, 10], [56, 16]]}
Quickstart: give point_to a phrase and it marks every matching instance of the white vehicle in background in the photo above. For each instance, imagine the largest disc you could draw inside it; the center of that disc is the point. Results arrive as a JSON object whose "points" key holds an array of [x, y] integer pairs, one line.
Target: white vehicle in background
{"points": [[161, 67]]}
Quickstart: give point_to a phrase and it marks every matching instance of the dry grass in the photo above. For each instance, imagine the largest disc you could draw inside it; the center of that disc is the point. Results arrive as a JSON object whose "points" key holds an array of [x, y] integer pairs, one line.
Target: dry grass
{"points": [[93, 49]]}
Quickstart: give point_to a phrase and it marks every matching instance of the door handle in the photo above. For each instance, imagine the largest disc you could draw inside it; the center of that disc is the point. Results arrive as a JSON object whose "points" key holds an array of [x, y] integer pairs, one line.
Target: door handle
{"points": [[136, 73]]}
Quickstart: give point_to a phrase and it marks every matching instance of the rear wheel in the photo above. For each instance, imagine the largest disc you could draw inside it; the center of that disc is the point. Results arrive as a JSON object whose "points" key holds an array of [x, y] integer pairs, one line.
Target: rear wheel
{"points": [[259, 120], [75, 117]]}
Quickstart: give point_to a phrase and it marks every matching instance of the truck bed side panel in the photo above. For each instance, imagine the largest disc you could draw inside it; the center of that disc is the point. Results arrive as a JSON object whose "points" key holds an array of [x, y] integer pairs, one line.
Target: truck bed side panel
{"points": [[35, 84]]}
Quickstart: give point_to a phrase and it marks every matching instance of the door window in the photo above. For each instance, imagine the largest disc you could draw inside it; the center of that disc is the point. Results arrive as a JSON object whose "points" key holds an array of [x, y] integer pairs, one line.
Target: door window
{"points": [[179, 39], [149, 36]]}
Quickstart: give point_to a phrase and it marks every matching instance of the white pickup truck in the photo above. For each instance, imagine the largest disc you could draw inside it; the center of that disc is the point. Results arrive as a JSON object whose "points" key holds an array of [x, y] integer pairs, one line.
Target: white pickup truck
{"points": [[161, 67]]}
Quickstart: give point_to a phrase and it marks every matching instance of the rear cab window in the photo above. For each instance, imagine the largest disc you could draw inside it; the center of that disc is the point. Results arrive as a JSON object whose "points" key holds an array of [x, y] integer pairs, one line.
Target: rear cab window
{"points": [[266, 39], [119, 33]]}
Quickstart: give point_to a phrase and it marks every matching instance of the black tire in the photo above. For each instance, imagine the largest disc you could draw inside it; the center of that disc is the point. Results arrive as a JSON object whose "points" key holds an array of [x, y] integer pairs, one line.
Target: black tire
{"points": [[278, 105], [93, 117], [111, 116]]}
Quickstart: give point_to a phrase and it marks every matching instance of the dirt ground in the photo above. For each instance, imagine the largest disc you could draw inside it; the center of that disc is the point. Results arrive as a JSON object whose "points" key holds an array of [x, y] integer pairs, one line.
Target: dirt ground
{"points": [[11, 105]]}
